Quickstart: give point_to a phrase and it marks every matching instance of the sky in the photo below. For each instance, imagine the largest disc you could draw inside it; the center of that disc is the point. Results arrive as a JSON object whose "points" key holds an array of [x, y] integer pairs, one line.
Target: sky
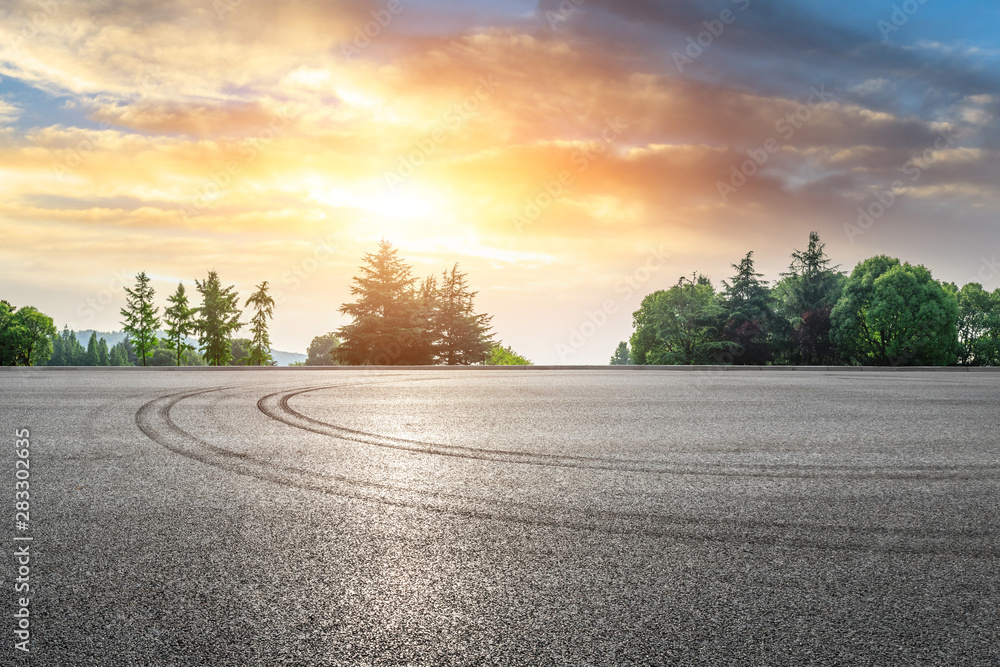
{"points": [[570, 156]]}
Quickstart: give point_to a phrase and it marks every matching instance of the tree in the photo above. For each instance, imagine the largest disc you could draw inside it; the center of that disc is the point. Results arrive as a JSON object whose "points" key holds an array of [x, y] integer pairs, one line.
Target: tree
{"points": [[321, 351], [93, 357], [504, 356], [620, 357], [192, 358], [67, 350], [162, 356], [130, 356], [749, 316], [179, 318], [260, 348], [74, 351], [118, 355], [894, 314], [240, 348], [804, 299], [9, 336], [102, 353], [679, 325], [462, 335], [386, 325], [218, 318], [978, 325], [25, 336], [140, 321], [58, 354], [813, 282]]}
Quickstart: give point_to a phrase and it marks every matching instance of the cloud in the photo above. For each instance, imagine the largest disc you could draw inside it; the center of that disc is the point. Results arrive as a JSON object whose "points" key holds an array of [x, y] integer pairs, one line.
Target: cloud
{"points": [[221, 131]]}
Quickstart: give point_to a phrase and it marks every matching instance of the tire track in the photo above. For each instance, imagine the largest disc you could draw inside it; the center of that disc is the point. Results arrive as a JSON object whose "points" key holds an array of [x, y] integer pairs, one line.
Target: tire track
{"points": [[155, 421], [276, 407]]}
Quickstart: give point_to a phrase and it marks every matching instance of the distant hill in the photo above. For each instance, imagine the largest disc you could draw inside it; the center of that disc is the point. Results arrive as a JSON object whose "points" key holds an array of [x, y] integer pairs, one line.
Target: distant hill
{"points": [[114, 337]]}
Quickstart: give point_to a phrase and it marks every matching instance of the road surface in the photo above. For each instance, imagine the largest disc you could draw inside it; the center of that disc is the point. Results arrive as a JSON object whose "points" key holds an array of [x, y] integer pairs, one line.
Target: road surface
{"points": [[516, 517]]}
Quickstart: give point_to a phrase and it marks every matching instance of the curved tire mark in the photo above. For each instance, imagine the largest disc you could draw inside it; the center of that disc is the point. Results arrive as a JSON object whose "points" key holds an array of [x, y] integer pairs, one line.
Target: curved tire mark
{"points": [[276, 407], [154, 420]]}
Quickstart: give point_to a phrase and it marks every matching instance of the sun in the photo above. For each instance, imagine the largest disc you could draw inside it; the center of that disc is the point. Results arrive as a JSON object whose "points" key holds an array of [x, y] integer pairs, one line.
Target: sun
{"points": [[389, 213]]}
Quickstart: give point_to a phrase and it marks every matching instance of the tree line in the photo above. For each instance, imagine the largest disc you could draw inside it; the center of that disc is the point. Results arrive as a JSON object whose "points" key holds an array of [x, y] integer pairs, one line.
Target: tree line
{"points": [[396, 319], [213, 322], [29, 338], [884, 313]]}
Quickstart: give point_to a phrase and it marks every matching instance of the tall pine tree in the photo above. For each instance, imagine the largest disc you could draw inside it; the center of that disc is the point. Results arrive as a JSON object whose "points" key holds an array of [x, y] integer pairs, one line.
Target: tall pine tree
{"points": [[749, 317], [462, 336], [140, 323], [93, 357], [260, 344], [388, 326], [58, 357], [218, 319], [805, 297], [102, 353], [179, 318]]}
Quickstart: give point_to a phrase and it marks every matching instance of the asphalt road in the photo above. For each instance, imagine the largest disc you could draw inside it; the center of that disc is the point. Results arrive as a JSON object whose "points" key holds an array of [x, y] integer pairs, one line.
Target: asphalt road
{"points": [[510, 517]]}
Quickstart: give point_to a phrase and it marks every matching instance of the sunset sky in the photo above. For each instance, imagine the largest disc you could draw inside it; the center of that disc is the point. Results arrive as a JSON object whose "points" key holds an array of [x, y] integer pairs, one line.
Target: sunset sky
{"points": [[570, 157]]}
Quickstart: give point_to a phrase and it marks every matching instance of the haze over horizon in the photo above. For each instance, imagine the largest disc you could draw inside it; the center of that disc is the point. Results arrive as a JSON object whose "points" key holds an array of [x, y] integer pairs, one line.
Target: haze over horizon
{"points": [[572, 157]]}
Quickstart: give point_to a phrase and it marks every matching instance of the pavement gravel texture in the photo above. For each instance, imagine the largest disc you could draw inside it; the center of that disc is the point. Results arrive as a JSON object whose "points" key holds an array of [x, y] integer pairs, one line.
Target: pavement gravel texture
{"points": [[530, 517]]}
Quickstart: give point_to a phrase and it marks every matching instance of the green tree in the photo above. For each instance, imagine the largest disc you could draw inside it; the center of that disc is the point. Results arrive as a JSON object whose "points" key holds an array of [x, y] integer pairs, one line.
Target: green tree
{"points": [[812, 283], [192, 358], [102, 353], [25, 336], [218, 319], [240, 352], [162, 356], [73, 351], [749, 317], [388, 321], [504, 356], [978, 325], [894, 314], [58, 355], [321, 351], [140, 323], [463, 336], [679, 325], [9, 335], [118, 356], [263, 305], [93, 357], [804, 299], [620, 357], [180, 322]]}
